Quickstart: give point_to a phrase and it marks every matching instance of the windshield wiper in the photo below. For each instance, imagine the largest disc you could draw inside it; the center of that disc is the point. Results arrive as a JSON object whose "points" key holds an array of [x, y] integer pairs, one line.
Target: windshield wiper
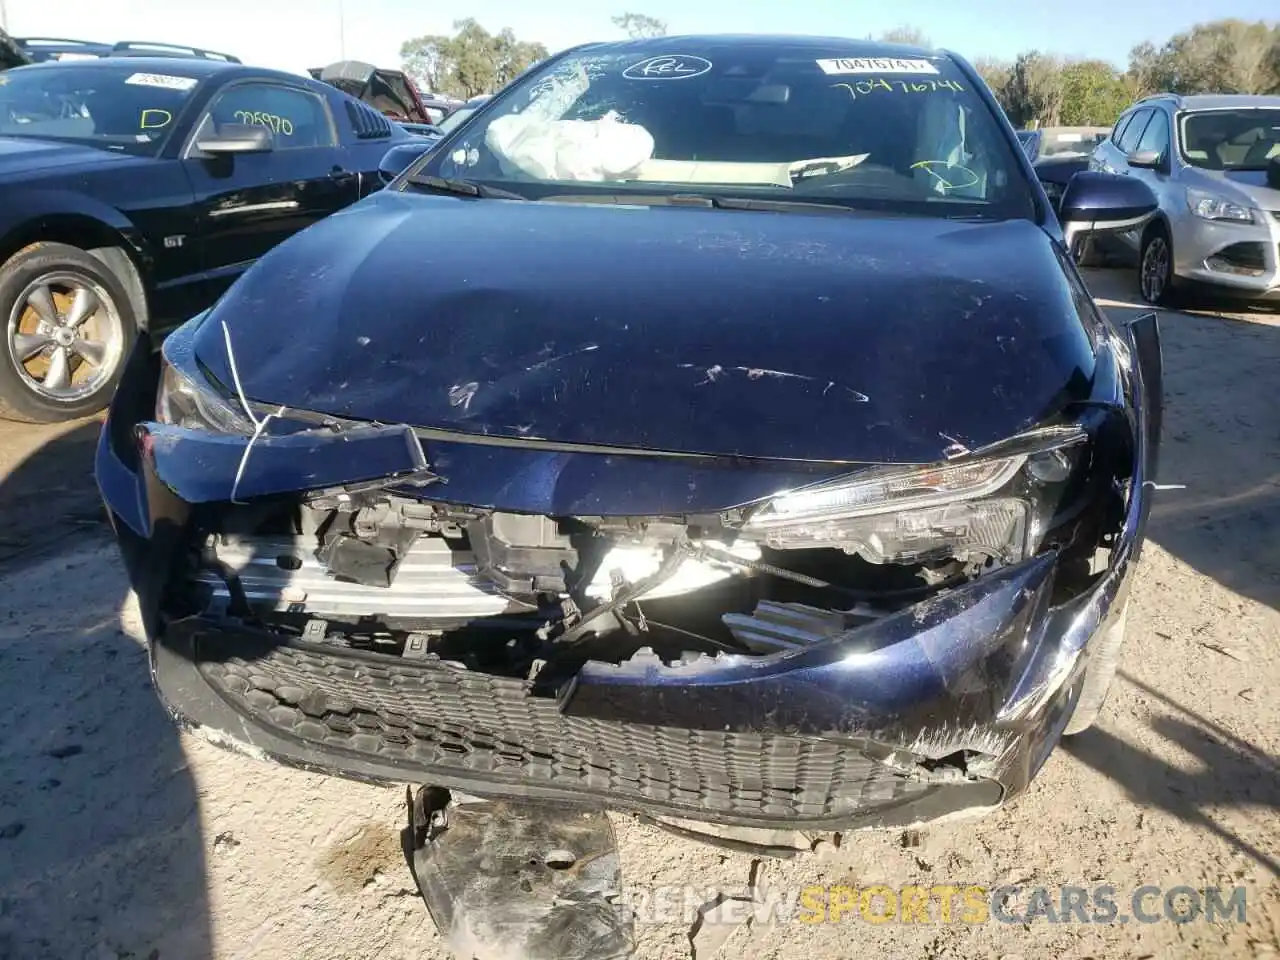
{"points": [[463, 188], [752, 203]]}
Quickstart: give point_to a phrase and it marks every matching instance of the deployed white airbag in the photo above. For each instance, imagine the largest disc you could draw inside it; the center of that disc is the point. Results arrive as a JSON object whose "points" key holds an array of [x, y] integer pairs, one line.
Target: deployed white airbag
{"points": [[593, 150]]}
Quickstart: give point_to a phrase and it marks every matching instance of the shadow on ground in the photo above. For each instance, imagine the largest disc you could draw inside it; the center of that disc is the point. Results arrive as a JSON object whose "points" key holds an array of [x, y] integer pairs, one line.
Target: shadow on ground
{"points": [[99, 820], [1231, 771], [1221, 439]]}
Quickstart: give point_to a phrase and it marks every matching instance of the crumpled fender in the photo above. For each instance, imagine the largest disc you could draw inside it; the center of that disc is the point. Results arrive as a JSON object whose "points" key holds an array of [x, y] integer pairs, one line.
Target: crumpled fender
{"points": [[205, 467]]}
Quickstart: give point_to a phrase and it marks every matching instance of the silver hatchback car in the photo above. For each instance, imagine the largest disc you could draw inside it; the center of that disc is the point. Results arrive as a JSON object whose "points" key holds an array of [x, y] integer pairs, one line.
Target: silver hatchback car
{"points": [[1214, 164]]}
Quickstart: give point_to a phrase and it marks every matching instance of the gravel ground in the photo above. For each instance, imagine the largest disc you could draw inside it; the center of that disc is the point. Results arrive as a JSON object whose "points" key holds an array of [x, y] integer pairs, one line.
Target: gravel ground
{"points": [[119, 837]]}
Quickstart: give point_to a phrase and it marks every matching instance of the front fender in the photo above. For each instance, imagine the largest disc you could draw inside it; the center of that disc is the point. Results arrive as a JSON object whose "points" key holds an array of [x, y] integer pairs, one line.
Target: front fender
{"points": [[28, 211]]}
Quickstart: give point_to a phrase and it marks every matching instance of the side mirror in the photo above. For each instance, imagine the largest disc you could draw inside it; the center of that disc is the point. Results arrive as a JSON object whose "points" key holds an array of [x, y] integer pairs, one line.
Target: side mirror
{"points": [[397, 160], [1096, 202], [1147, 160], [237, 138]]}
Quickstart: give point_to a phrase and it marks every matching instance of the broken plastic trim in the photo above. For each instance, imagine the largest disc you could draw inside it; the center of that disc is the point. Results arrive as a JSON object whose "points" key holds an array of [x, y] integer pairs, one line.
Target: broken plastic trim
{"points": [[202, 465]]}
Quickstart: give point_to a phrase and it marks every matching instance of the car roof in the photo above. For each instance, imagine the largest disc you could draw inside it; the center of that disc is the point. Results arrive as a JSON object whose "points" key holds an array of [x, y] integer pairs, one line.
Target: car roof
{"points": [[855, 47], [1216, 101], [185, 66]]}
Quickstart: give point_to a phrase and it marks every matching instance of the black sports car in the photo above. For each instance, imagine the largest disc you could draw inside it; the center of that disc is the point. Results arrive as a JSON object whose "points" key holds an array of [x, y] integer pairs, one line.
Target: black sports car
{"points": [[133, 191], [755, 452]]}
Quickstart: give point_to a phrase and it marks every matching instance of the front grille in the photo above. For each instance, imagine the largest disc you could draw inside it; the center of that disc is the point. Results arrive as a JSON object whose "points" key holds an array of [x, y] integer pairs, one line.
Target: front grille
{"points": [[1245, 256], [431, 713]]}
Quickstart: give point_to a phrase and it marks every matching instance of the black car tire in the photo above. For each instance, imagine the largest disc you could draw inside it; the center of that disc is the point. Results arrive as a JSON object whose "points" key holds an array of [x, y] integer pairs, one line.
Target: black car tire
{"points": [[1099, 675], [84, 314], [1156, 281]]}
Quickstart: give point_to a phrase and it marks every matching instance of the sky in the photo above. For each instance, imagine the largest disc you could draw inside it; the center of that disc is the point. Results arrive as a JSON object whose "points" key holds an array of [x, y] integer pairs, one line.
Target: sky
{"points": [[297, 34]]}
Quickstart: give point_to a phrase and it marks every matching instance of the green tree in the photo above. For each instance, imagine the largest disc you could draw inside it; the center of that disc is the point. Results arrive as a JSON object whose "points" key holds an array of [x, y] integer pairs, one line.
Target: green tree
{"points": [[1221, 56], [470, 62], [995, 74], [638, 26], [1093, 94], [1033, 95]]}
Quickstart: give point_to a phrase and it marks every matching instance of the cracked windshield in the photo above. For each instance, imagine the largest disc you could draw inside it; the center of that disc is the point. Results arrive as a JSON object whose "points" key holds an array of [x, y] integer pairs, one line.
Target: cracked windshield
{"points": [[820, 124]]}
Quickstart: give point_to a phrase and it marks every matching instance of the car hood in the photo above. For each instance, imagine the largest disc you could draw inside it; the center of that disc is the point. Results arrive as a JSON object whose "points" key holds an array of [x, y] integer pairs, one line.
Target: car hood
{"points": [[1245, 186], [20, 156], [775, 335]]}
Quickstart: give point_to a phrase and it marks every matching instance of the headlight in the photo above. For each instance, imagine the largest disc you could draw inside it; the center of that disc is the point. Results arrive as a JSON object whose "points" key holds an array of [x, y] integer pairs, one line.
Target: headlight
{"points": [[188, 400], [1210, 207], [987, 508]]}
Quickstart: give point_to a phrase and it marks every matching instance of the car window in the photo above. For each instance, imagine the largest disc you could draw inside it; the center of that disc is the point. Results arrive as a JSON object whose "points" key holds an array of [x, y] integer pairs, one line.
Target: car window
{"points": [[117, 108], [455, 119], [296, 118], [1231, 139], [1118, 131], [1133, 132], [1155, 139], [1070, 143], [768, 120]]}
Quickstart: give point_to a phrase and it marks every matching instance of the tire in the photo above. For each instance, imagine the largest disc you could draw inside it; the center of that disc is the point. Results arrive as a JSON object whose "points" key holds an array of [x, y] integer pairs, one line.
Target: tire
{"points": [[68, 328], [1156, 281], [1099, 675]]}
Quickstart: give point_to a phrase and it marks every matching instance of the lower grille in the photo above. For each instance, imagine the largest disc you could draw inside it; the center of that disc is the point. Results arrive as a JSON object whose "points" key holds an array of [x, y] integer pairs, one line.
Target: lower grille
{"points": [[435, 714], [1246, 256]]}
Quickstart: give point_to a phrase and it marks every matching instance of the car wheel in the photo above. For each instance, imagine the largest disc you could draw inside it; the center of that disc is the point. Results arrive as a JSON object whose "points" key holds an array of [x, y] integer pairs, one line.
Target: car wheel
{"points": [[1156, 281], [69, 326], [1099, 674]]}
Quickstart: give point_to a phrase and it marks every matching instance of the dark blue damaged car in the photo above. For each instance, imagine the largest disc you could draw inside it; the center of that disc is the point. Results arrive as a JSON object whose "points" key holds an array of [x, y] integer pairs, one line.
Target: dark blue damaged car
{"points": [[712, 427]]}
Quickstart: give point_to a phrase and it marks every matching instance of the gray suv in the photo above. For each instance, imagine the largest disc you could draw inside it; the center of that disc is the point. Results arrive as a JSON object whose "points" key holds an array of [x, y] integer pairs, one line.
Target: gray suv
{"points": [[1214, 164]]}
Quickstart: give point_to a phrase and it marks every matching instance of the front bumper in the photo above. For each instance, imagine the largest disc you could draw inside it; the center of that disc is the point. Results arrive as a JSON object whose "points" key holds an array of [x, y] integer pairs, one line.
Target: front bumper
{"points": [[951, 705], [1240, 260]]}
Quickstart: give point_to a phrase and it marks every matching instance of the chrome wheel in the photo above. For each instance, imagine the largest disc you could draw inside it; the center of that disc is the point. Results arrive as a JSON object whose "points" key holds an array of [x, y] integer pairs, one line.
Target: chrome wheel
{"points": [[1154, 276], [65, 336]]}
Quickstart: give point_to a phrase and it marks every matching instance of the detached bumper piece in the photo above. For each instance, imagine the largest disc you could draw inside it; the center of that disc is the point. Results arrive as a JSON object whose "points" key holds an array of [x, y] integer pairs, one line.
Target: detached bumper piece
{"points": [[531, 880]]}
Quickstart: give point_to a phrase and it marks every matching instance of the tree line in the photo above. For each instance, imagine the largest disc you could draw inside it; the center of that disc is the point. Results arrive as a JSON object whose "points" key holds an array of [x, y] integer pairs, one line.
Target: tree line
{"points": [[1036, 89], [1040, 89], [473, 61]]}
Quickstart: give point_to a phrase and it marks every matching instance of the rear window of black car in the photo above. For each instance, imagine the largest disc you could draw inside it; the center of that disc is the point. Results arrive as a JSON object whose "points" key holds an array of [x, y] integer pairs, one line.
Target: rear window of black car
{"points": [[124, 108], [830, 124]]}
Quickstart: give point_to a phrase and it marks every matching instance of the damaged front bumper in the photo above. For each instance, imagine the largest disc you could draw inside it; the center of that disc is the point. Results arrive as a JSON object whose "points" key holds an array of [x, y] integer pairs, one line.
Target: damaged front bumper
{"points": [[946, 706]]}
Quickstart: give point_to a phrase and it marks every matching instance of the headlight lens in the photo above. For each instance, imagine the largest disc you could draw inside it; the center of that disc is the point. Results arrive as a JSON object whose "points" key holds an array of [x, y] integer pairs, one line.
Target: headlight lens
{"points": [[1209, 207], [885, 491], [982, 508], [190, 401]]}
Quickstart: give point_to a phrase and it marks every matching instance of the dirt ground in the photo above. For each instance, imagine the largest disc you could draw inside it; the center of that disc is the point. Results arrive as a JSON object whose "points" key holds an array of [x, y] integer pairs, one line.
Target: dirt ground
{"points": [[119, 837]]}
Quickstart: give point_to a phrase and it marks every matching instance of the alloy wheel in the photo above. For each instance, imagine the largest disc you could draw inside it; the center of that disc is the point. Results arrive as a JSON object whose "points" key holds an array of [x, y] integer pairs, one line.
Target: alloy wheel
{"points": [[65, 336], [1155, 269]]}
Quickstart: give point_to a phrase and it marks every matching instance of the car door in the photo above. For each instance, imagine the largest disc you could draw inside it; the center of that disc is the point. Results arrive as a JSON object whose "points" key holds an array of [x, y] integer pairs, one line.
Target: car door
{"points": [[246, 203]]}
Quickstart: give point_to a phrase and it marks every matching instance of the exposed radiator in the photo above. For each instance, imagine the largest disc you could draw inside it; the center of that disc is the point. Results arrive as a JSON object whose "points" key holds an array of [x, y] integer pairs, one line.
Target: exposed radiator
{"points": [[433, 581]]}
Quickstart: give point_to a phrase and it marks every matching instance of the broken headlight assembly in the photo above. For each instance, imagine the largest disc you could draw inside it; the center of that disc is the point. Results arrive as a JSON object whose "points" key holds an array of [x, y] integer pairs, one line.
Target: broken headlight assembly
{"points": [[187, 398], [992, 509]]}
